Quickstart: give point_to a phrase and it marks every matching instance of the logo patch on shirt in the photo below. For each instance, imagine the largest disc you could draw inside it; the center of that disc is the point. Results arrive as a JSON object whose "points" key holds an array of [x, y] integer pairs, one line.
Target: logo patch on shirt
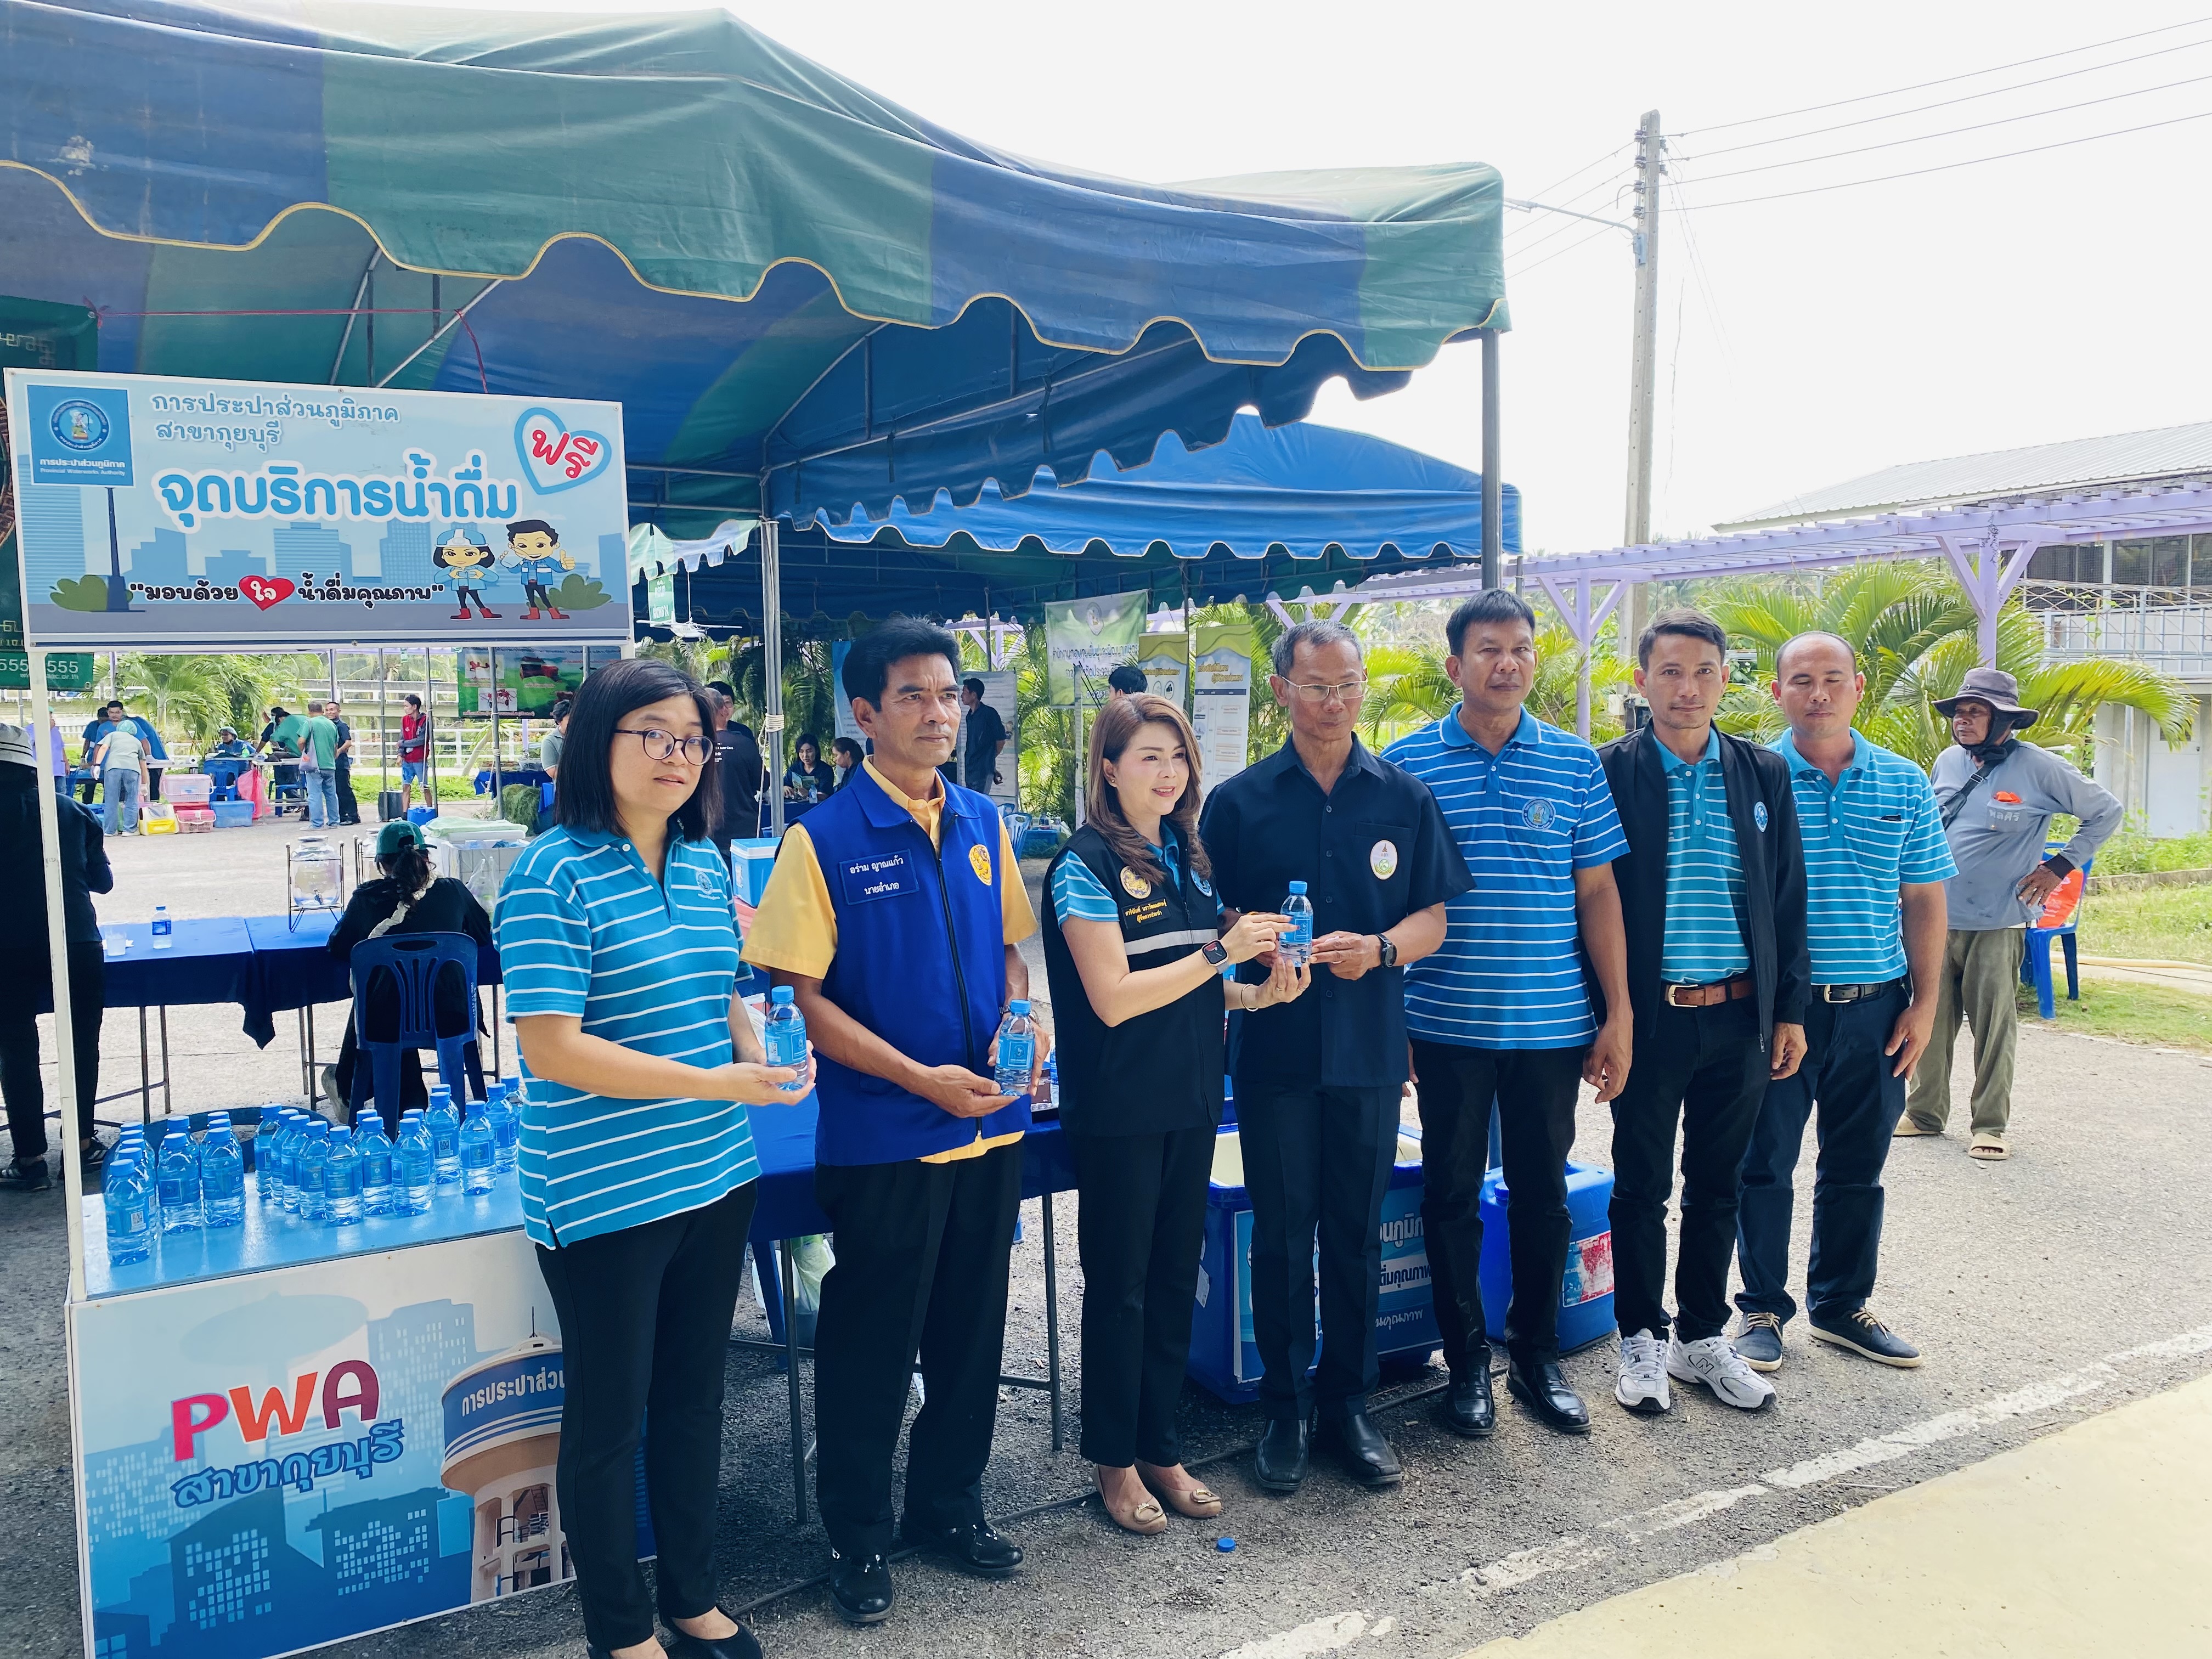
{"points": [[879, 875], [1758, 813], [1382, 859], [979, 861], [1200, 882], [1538, 813], [1135, 884]]}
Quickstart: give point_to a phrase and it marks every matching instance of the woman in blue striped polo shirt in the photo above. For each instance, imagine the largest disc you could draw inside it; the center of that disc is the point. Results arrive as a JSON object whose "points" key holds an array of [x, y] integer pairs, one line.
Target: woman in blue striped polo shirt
{"points": [[619, 949]]}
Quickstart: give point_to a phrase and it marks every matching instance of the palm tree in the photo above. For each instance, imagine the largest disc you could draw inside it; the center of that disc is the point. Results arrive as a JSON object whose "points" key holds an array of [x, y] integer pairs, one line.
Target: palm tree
{"points": [[1406, 686]]}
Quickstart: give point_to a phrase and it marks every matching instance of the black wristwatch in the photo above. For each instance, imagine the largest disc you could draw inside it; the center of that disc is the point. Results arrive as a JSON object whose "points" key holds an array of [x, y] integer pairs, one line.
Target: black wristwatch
{"points": [[1389, 950], [1214, 951]]}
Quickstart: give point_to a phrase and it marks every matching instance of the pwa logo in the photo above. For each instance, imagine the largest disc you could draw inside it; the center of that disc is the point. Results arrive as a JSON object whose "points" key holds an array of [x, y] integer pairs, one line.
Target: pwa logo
{"points": [[349, 1386]]}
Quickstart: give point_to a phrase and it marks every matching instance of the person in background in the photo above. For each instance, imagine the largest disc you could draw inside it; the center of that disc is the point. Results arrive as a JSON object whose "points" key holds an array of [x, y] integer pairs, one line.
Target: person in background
{"points": [[983, 738], [318, 766], [1126, 681], [281, 735], [894, 913], [1997, 796], [25, 971], [349, 808], [407, 898], [739, 760], [120, 758], [637, 1167], [1874, 868], [57, 764], [808, 777], [1501, 1011], [1318, 1086], [845, 755], [413, 751], [1712, 895], [1133, 944], [548, 747], [228, 745], [113, 716]]}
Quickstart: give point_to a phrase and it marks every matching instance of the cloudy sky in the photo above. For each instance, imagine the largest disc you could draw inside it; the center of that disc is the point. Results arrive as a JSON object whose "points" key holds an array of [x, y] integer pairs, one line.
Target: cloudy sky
{"points": [[1803, 340]]}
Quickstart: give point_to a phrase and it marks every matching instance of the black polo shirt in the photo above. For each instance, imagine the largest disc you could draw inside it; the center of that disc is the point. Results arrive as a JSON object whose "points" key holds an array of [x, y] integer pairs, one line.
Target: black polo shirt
{"points": [[1372, 852]]}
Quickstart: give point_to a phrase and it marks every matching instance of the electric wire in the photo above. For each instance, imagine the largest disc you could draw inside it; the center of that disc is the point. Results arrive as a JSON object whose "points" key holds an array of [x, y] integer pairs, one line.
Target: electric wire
{"points": [[1563, 226], [1561, 183], [1563, 217], [1515, 276]]}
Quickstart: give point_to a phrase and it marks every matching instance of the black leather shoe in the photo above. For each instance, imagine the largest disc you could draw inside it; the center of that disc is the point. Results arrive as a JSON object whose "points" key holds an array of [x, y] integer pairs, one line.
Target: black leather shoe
{"points": [[1367, 1455], [972, 1547], [860, 1588], [1469, 1408], [1281, 1463], [1539, 1387], [739, 1644]]}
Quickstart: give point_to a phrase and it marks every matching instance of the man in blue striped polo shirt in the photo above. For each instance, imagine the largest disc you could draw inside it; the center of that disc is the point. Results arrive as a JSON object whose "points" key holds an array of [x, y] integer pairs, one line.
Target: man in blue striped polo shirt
{"points": [[1501, 1011], [1876, 862]]}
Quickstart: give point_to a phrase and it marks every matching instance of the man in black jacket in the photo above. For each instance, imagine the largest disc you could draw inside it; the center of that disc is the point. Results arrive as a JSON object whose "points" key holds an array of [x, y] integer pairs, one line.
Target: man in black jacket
{"points": [[1712, 893]]}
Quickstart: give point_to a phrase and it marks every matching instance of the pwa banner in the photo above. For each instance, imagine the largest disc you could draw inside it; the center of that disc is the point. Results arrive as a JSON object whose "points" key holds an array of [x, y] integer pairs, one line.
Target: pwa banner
{"points": [[1086, 640], [1221, 697], [1165, 658], [159, 511]]}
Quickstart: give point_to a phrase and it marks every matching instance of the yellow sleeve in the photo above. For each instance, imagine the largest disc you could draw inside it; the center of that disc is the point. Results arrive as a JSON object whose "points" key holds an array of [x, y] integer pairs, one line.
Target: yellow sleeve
{"points": [[1015, 915], [794, 928]]}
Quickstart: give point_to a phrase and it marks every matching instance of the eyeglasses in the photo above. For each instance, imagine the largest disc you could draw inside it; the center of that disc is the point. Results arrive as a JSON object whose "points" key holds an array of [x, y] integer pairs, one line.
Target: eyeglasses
{"points": [[1315, 696], [662, 745]]}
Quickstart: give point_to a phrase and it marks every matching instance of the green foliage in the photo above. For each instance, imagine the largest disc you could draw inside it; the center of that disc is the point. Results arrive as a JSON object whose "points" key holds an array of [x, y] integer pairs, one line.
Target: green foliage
{"points": [[577, 592], [1406, 686], [2157, 924], [81, 593], [2131, 852]]}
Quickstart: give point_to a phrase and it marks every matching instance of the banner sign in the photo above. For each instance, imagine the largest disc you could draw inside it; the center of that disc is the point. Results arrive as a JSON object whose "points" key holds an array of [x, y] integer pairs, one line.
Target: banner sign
{"points": [[1221, 697], [229, 515], [34, 335], [1086, 640], [517, 680], [1165, 658]]}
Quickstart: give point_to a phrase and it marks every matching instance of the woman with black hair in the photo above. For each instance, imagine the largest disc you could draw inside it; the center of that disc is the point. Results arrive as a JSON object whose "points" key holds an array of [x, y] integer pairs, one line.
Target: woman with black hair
{"points": [[844, 759], [619, 949], [809, 777]]}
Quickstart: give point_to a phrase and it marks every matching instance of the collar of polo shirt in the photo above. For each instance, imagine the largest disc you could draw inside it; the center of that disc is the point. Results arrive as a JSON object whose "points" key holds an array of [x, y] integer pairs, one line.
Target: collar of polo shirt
{"points": [[1673, 762], [1456, 736], [1860, 751]]}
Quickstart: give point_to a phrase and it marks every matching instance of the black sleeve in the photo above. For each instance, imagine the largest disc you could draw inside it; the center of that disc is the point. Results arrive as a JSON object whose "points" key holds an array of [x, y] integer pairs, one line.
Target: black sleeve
{"points": [[1218, 827], [1793, 975], [363, 912], [1437, 868], [98, 874]]}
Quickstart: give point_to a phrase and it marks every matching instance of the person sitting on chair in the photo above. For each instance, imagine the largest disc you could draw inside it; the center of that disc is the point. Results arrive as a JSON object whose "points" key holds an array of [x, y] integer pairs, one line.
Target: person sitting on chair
{"points": [[409, 898]]}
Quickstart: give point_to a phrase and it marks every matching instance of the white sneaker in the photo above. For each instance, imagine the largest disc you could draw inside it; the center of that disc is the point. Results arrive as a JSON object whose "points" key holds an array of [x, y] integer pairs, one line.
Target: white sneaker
{"points": [[1714, 1362], [1642, 1384]]}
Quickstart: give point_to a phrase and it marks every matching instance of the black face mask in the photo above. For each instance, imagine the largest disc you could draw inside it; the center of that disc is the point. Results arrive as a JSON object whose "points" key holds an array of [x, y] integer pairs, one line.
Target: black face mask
{"points": [[1993, 746]]}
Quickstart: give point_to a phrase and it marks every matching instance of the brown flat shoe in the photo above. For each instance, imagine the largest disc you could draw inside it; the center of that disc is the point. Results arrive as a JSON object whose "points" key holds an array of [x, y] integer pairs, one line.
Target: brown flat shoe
{"points": [[1988, 1147], [1197, 1502], [1144, 1517], [1906, 1127]]}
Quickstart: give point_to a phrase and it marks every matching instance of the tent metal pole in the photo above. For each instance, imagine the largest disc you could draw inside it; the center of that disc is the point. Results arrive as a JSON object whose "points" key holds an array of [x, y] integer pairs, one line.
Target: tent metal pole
{"points": [[772, 665], [1493, 491], [50, 845]]}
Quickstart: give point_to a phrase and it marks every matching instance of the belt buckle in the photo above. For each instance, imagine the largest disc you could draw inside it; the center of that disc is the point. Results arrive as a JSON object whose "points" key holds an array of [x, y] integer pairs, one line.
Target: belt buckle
{"points": [[1673, 1001], [1828, 992]]}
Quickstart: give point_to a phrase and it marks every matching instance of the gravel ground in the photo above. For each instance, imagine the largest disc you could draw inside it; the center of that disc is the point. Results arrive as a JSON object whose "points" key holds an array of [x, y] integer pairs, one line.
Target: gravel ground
{"points": [[2073, 1279]]}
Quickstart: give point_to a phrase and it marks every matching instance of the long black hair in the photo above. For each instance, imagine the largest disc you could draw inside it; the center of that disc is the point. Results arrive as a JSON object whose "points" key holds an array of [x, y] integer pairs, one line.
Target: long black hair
{"points": [[586, 799]]}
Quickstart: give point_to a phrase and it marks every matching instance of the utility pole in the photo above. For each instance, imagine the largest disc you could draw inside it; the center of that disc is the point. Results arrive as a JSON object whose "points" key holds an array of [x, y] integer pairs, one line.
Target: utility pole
{"points": [[1643, 376]]}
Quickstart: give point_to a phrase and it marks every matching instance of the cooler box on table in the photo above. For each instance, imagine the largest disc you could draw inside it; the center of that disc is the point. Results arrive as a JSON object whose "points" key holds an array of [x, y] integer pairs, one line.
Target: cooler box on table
{"points": [[1586, 1290]]}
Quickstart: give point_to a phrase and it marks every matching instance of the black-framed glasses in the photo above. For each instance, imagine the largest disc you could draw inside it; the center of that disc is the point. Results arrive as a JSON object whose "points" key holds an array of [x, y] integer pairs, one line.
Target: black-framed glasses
{"points": [[662, 745]]}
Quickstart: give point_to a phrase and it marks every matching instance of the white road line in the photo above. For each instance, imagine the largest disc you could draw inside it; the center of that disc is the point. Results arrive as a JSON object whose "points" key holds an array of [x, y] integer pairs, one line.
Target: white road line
{"points": [[1518, 1568], [1338, 1630]]}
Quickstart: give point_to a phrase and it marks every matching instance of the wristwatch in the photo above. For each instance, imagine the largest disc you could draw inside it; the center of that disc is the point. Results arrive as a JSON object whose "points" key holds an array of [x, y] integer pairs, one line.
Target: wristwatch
{"points": [[1389, 950], [1214, 951]]}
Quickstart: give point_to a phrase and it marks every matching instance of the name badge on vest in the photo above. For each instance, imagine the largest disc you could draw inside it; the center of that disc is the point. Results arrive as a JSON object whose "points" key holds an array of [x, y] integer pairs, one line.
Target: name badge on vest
{"points": [[879, 876]]}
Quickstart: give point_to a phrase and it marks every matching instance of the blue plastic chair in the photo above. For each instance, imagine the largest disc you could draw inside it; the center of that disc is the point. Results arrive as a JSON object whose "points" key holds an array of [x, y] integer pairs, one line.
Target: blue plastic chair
{"points": [[2035, 958], [414, 961], [223, 772]]}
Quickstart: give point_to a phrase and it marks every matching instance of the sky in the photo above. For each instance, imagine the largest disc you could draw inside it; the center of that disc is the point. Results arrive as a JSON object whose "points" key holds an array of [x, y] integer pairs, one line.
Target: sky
{"points": [[1802, 341]]}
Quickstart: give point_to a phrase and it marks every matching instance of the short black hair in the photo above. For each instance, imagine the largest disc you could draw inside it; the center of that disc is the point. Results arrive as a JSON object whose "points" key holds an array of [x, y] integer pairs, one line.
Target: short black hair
{"points": [[586, 799], [1690, 625], [411, 697], [805, 741], [522, 525], [1492, 605], [1128, 678], [113, 702], [972, 684], [724, 688], [562, 707], [868, 664]]}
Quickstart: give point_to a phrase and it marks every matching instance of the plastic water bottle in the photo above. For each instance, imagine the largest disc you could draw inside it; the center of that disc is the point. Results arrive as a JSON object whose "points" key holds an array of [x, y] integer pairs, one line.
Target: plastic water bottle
{"points": [[163, 936], [507, 1125], [313, 1164], [284, 1162], [479, 1150], [1016, 1050], [129, 1228], [418, 1161], [1297, 945], [378, 1187], [266, 1189], [181, 1180], [342, 1180], [222, 1175], [785, 1034], [444, 1135]]}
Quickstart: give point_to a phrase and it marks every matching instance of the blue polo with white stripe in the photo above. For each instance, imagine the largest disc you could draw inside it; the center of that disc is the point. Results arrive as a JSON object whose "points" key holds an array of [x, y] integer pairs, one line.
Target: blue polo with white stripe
{"points": [[1876, 827], [1077, 895], [585, 930], [1703, 941], [1508, 975]]}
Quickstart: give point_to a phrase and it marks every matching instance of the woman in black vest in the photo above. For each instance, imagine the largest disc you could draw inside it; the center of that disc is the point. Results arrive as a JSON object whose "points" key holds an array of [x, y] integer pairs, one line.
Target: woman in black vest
{"points": [[1134, 945]]}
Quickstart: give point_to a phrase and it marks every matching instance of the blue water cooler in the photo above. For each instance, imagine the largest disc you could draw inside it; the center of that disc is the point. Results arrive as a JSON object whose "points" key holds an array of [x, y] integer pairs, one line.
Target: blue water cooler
{"points": [[1586, 1294]]}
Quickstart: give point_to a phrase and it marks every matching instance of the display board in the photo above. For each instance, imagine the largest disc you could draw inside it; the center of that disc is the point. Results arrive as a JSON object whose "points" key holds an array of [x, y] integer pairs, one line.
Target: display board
{"points": [[1165, 658], [519, 680], [33, 336], [159, 511], [1221, 697], [1086, 640]]}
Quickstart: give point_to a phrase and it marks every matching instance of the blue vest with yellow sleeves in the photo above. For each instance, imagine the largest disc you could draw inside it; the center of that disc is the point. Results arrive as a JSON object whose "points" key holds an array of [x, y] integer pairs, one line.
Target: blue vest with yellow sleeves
{"points": [[920, 962]]}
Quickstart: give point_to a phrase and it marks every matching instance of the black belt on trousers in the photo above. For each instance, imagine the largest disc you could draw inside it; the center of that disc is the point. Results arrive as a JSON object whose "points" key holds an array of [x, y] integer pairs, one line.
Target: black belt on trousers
{"points": [[1855, 992]]}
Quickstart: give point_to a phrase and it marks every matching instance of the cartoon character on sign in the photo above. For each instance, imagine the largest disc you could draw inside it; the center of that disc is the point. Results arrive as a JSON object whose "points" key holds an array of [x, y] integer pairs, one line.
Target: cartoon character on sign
{"points": [[470, 567], [533, 547]]}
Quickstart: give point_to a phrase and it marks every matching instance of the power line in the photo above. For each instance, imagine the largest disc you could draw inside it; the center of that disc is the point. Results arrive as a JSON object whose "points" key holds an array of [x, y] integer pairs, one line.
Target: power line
{"points": [[1572, 205], [1947, 167], [1515, 276], [1947, 80], [1952, 132], [1562, 229], [1558, 183]]}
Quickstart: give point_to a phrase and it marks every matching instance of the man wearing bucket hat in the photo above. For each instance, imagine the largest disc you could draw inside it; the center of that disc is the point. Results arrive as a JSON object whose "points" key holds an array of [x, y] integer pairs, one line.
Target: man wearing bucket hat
{"points": [[1997, 796]]}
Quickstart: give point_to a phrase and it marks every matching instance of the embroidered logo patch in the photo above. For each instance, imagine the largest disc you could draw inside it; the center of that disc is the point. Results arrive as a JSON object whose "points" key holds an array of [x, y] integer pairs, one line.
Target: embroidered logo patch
{"points": [[1135, 884], [1758, 813], [979, 861], [1538, 814], [1201, 883], [1382, 859]]}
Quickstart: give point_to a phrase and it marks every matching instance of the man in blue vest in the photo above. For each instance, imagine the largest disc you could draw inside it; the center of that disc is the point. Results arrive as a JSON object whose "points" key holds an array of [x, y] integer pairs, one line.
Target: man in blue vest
{"points": [[893, 913]]}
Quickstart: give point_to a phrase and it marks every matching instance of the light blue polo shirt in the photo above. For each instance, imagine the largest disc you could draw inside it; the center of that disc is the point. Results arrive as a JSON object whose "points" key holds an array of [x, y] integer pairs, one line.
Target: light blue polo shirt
{"points": [[1508, 975], [1077, 895], [1876, 827], [584, 929], [1703, 941]]}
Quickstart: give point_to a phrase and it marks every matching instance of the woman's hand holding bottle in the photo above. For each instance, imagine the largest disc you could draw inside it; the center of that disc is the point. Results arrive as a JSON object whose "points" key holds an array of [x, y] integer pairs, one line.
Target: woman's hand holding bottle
{"points": [[1253, 933], [1287, 982], [752, 1084]]}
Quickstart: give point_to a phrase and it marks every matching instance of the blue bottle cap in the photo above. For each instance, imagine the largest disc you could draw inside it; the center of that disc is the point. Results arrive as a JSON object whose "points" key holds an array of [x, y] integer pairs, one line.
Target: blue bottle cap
{"points": [[1297, 887], [1225, 1545], [780, 993], [1018, 1005]]}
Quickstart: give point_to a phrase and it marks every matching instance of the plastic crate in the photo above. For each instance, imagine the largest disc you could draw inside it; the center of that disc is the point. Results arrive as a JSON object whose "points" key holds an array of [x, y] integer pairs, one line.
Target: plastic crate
{"points": [[187, 788], [194, 820], [232, 814]]}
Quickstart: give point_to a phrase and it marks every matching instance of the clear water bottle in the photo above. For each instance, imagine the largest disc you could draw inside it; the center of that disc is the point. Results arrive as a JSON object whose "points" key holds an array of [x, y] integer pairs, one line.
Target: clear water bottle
{"points": [[130, 1227], [418, 1161], [1016, 1050], [444, 1135], [1297, 945], [479, 1150], [342, 1180], [310, 1164], [266, 1191], [163, 935], [289, 1142], [379, 1189], [179, 1180], [222, 1175], [506, 1125], [786, 1039]]}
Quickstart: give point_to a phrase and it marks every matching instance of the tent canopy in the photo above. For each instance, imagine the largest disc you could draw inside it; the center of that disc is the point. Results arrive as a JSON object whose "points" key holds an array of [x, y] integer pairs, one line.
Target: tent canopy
{"points": [[779, 276]]}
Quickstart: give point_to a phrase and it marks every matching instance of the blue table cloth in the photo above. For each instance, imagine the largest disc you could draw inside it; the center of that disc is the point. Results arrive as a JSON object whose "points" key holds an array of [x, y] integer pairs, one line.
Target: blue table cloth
{"points": [[292, 967], [206, 960]]}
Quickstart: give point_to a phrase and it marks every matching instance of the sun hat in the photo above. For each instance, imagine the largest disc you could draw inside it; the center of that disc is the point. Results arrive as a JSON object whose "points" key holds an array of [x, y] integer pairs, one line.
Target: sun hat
{"points": [[16, 746], [1994, 687]]}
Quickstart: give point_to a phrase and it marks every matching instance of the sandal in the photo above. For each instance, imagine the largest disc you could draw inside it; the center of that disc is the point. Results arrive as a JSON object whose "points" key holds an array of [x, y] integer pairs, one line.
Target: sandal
{"points": [[1144, 1517], [1906, 1127], [1987, 1147], [1195, 1502]]}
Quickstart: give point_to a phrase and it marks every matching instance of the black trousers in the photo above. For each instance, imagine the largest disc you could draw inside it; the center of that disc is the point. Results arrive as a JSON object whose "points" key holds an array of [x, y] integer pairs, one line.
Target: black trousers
{"points": [[26, 981], [1707, 1067], [1316, 1161], [1535, 1091], [645, 1335], [1140, 1232], [349, 807], [922, 1269]]}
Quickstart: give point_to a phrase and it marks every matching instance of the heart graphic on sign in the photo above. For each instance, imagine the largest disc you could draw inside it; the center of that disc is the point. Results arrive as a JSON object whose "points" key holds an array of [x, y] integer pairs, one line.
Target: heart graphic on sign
{"points": [[555, 457], [265, 591]]}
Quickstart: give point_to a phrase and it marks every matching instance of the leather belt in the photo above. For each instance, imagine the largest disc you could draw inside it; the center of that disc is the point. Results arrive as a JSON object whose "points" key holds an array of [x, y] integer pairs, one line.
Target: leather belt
{"points": [[1704, 996], [1855, 992]]}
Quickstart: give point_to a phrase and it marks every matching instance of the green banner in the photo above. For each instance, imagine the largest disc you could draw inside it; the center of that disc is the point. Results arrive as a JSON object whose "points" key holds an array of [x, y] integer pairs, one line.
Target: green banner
{"points": [[660, 600], [1086, 640], [1165, 658]]}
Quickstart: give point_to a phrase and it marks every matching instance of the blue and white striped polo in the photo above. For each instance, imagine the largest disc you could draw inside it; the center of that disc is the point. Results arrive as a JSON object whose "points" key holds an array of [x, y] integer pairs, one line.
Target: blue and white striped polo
{"points": [[1077, 895], [1702, 940], [1876, 827], [1508, 975], [585, 930]]}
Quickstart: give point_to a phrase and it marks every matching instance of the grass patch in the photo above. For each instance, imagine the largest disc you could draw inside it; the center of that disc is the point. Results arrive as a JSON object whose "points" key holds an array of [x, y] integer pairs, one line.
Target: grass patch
{"points": [[2149, 1014], [2159, 923]]}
